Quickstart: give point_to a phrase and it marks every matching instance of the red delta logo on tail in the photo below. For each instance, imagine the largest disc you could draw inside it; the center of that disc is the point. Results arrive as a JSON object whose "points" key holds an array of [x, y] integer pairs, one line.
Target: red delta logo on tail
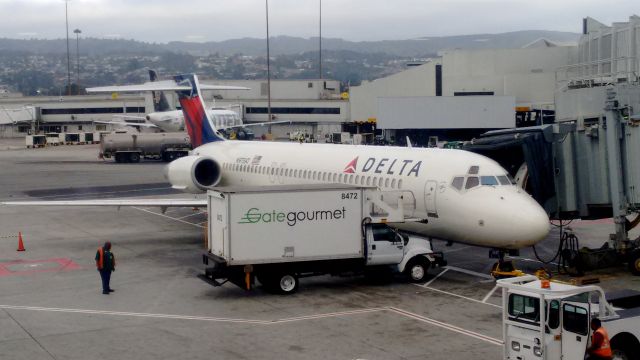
{"points": [[196, 120], [351, 166]]}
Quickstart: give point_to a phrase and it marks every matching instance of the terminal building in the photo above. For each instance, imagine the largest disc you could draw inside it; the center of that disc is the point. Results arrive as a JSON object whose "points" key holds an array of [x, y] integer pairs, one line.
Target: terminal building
{"points": [[307, 106], [464, 93]]}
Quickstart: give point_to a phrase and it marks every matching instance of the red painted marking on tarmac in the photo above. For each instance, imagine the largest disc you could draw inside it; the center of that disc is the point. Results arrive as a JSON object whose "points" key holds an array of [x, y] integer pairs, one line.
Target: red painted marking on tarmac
{"points": [[60, 264]]}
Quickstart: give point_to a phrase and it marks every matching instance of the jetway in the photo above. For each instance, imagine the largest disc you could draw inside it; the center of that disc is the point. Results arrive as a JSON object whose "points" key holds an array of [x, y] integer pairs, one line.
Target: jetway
{"points": [[586, 165]]}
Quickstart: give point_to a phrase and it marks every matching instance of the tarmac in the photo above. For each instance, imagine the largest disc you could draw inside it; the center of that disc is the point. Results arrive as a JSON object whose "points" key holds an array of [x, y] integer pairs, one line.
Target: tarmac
{"points": [[52, 307]]}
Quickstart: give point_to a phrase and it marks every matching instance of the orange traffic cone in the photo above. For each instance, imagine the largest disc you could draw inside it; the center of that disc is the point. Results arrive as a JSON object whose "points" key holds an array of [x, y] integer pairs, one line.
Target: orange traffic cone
{"points": [[20, 243]]}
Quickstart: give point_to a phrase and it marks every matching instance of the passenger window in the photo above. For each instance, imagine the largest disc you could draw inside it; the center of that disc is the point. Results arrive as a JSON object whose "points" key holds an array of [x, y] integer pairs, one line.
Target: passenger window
{"points": [[472, 181], [524, 308], [575, 319], [488, 181], [362, 180], [457, 182], [554, 314], [357, 179], [400, 184], [368, 180], [504, 180], [393, 183], [386, 182], [380, 182], [474, 170]]}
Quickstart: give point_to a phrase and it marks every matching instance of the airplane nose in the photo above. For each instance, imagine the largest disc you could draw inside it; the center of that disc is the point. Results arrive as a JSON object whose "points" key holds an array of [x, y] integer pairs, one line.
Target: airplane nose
{"points": [[530, 223]]}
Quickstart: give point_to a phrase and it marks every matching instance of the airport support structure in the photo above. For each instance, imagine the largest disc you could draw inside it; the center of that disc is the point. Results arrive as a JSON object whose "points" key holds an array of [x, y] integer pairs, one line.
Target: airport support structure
{"points": [[615, 143]]}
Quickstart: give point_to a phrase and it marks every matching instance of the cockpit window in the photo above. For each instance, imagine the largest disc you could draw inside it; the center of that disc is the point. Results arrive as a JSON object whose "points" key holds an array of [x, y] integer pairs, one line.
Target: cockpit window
{"points": [[457, 182], [472, 181], [488, 180], [504, 180], [474, 170], [513, 181]]}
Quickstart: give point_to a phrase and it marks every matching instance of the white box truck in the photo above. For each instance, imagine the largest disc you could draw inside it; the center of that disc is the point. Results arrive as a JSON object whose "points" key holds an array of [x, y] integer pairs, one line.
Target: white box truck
{"points": [[280, 234], [548, 320]]}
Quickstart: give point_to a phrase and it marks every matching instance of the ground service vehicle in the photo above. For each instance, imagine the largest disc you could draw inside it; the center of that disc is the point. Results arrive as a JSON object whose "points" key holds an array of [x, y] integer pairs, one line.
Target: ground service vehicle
{"points": [[34, 141], [566, 312], [131, 147], [279, 234]]}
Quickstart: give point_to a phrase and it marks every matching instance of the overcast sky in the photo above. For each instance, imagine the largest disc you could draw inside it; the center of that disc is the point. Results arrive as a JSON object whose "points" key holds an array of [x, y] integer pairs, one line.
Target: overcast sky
{"points": [[215, 20]]}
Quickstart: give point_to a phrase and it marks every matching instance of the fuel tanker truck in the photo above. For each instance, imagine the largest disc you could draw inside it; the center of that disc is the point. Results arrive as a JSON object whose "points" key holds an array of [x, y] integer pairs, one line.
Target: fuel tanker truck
{"points": [[127, 147]]}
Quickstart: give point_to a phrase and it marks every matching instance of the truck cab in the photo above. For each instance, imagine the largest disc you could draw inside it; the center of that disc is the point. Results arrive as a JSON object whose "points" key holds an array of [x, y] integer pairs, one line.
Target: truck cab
{"points": [[408, 254], [550, 320]]}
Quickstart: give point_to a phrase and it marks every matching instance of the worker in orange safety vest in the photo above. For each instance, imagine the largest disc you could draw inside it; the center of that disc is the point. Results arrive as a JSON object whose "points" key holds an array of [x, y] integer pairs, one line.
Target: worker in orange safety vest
{"points": [[106, 263], [600, 348]]}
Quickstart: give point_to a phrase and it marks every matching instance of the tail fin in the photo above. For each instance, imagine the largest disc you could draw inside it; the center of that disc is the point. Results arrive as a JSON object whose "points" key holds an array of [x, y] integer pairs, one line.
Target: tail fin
{"points": [[160, 102], [199, 126]]}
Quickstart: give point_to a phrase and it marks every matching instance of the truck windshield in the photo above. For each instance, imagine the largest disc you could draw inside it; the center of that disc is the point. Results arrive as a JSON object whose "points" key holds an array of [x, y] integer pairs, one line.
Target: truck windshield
{"points": [[524, 308]]}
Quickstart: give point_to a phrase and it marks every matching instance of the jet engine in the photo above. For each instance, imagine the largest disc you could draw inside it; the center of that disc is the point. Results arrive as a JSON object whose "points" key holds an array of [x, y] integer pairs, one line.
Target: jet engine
{"points": [[193, 174]]}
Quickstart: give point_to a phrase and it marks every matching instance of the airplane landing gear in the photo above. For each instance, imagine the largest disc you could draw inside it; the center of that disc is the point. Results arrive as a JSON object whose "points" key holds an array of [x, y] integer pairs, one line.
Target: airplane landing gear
{"points": [[504, 268]]}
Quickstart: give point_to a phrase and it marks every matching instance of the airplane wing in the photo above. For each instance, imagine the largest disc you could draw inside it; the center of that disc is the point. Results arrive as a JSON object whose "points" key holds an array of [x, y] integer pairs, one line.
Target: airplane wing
{"points": [[161, 203], [124, 123], [167, 85], [253, 124], [131, 117]]}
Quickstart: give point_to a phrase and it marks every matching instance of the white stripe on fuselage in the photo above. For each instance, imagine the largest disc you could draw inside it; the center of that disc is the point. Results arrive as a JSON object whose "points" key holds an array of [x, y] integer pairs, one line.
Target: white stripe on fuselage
{"points": [[459, 215]]}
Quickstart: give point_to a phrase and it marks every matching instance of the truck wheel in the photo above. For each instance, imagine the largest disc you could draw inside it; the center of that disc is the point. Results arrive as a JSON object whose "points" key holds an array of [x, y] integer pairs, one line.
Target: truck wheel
{"points": [[634, 262], [417, 269], [287, 283], [134, 157], [119, 158]]}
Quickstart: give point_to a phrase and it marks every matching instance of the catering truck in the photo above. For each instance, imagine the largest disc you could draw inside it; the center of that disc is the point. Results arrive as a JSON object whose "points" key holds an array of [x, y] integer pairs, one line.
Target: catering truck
{"points": [[548, 320], [131, 147], [279, 234]]}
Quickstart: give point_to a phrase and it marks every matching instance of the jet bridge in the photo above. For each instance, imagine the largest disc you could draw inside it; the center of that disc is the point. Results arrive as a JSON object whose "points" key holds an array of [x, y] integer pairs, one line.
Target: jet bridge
{"points": [[586, 164]]}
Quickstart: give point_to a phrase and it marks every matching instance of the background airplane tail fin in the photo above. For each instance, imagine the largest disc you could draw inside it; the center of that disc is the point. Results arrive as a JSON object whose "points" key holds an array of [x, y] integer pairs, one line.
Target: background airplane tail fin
{"points": [[198, 123], [160, 102]]}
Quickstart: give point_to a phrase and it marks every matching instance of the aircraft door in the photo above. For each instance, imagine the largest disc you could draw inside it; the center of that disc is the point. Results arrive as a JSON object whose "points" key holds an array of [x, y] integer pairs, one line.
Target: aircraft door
{"points": [[575, 329], [430, 190], [384, 246]]}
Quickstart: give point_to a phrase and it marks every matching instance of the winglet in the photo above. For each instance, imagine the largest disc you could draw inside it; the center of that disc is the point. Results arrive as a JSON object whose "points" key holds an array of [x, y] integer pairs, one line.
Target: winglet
{"points": [[160, 102]]}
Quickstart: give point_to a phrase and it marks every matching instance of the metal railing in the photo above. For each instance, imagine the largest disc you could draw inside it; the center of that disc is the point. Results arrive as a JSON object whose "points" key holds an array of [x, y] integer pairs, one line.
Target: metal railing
{"points": [[598, 73]]}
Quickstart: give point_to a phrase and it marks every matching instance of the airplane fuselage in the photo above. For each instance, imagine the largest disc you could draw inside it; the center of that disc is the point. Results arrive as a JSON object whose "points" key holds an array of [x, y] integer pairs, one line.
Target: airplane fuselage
{"points": [[460, 196]]}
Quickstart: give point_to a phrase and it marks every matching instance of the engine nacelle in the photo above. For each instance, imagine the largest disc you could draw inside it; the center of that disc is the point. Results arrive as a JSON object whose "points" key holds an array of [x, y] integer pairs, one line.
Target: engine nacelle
{"points": [[193, 174]]}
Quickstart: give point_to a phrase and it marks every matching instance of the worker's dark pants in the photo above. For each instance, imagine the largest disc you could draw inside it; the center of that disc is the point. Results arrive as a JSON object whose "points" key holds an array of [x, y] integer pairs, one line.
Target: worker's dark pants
{"points": [[106, 277], [594, 357]]}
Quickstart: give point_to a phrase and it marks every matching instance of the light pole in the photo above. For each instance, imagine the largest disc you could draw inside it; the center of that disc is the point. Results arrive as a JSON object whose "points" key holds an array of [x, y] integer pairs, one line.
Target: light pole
{"points": [[268, 71], [77, 32], [320, 41], [66, 16]]}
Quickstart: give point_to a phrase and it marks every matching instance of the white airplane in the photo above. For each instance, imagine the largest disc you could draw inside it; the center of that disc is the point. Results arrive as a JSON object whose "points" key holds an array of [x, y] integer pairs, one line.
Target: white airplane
{"points": [[173, 120], [454, 195], [169, 120]]}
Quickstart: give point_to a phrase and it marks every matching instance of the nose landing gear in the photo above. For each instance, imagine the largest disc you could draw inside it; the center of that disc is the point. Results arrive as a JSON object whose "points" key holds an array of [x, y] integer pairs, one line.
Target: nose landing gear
{"points": [[504, 268]]}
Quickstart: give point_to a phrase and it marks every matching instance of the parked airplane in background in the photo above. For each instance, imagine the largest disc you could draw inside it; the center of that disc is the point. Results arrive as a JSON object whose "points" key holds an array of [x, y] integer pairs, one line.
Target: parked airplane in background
{"points": [[454, 195], [168, 120]]}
